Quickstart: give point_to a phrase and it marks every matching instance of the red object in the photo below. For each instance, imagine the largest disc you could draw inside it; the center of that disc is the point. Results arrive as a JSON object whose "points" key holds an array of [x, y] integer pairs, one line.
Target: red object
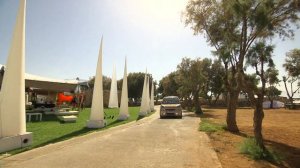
{"points": [[63, 98]]}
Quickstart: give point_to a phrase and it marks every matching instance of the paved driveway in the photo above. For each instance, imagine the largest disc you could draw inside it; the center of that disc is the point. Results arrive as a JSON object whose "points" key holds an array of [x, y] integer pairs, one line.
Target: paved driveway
{"points": [[150, 142]]}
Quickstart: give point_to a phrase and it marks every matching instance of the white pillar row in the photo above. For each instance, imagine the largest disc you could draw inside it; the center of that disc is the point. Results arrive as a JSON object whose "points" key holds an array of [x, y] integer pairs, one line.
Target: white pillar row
{"points": [[97, 111], [113, 96], [12, 100], [144, 102], [152, 97], [124, 114]]}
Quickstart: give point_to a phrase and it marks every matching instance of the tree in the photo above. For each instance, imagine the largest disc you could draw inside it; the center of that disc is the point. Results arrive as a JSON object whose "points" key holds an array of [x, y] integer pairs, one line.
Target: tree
{"points": [[258, 57], [292, 66], [272, 92], [106, 82], [214, 85], [192, 79], [135, 84], [168, 85], [232, 27]]}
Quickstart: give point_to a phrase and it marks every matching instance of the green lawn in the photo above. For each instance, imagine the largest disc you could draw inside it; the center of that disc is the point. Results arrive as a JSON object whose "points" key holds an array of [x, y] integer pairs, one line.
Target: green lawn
{"points": [[50, 130]]}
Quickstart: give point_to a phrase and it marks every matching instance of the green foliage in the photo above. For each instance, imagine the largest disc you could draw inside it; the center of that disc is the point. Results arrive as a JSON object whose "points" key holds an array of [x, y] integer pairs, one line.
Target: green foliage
{"points": [[260, 54], [272, 76], [215, 80], [168, 85], [208, 126], [106, 82], [50, 130], [250, 148], [292, 63], [292, 66], [259, 57], [192, 79], [272, 92], [232, 27], [135, 84]]}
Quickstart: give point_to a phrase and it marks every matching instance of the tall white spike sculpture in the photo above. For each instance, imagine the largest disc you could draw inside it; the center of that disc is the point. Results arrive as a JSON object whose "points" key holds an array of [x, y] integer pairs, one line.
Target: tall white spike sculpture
{"points": [[124, 114], [144, 103], [12, 101], [97, 113], [152, 97], [113, 96], [148, 94]]}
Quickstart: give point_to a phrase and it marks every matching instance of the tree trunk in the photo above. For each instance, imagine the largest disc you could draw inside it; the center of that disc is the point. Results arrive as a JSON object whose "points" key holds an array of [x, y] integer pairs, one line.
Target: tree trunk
{"points": [[271, 103], [257, 123], [291, 103], [189, 104], [198, 109], [231, 112], [216, 100]]}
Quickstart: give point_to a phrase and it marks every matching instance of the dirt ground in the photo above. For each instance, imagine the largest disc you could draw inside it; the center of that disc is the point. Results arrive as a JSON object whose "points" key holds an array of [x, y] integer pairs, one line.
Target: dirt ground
{"points": [[281, 131]]}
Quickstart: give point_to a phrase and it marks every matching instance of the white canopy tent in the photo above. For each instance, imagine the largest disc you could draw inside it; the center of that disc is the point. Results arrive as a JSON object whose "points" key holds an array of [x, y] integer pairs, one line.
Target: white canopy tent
{"points": [[276, 104]]}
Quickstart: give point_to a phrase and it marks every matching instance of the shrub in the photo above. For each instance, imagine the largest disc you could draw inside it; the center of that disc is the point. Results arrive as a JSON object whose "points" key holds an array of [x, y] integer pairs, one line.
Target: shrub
{"points": [[250, 148], [208, 126]]}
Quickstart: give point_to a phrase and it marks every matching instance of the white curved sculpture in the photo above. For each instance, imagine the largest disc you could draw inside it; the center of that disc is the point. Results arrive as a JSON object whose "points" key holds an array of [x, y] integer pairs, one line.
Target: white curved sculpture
{"points": [[113, 96], [97, 112], [152, 97], [144, 102], [12, 100], [124, 114]]}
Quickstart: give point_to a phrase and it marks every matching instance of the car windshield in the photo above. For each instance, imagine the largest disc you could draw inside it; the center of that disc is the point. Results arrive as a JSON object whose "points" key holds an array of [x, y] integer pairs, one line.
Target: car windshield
{"points": [[170, 101]]}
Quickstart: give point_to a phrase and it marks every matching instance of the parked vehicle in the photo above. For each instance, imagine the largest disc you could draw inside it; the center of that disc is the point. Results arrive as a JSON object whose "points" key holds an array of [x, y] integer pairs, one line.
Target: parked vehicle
{"points": [[170, 106]]}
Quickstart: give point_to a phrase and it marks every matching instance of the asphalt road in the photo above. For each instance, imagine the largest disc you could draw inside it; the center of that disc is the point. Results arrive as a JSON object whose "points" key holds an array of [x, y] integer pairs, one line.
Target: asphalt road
{"points": [[150, 142]]}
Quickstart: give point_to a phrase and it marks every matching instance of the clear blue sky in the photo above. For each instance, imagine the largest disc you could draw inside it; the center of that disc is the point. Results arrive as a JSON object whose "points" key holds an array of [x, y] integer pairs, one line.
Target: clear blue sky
{"points": [[63, 37]]}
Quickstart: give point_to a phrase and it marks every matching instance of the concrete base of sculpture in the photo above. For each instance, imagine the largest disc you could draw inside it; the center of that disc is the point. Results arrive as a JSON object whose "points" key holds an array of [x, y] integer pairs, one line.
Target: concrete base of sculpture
{"points": [[96, 123], [15, 142], [142, 113], [123, 117]]}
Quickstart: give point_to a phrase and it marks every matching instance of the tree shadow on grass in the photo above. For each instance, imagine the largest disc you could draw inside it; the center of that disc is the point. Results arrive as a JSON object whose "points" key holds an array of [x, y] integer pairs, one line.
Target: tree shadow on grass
{"points": [[208, 115], [82, 131], [77, 133], [290, 154], [242, 134], [115, 122], [45, 118], [140, 117]]}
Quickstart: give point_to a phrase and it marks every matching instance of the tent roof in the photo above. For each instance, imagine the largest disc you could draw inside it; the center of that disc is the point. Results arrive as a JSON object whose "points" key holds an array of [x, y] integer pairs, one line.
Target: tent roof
{"points": [[50, 84], [45, 79]]}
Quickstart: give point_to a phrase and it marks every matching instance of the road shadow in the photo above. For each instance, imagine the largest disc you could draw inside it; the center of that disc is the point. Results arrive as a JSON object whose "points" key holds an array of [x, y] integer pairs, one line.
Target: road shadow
{"points": [[192, 114], [171, 117]]}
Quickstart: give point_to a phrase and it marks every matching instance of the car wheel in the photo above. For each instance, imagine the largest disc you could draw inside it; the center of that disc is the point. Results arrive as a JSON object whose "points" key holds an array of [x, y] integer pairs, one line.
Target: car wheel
{"points": [[161, 117], [180, 117]]}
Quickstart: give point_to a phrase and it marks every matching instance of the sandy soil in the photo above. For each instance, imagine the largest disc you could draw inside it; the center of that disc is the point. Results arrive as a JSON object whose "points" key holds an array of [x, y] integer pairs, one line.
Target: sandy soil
{"points": [[281, 131]]}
